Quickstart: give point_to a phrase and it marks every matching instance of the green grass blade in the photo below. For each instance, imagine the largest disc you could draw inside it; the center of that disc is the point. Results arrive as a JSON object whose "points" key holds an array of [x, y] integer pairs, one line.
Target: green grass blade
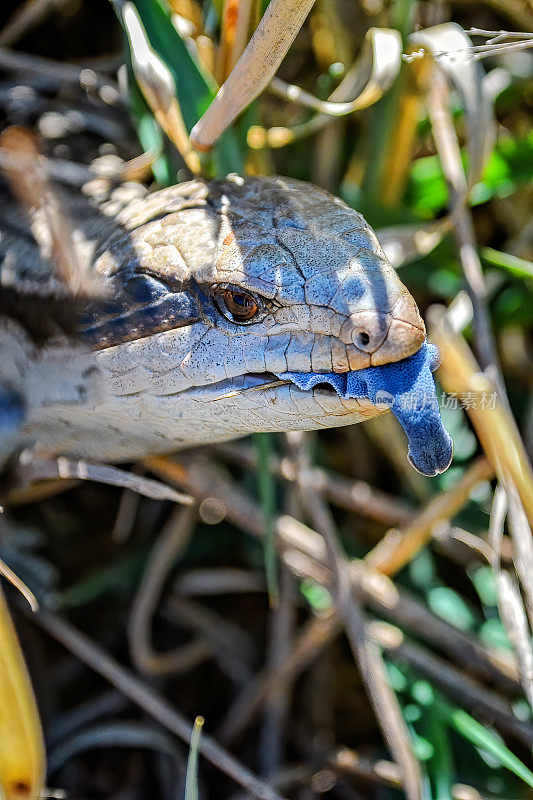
{"points": [[483, 737], [440, 766], [191, 778], [516, 266]]}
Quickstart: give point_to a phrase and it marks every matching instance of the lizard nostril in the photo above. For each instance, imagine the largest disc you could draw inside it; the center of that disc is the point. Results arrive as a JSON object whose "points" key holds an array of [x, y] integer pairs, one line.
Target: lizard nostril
{"points": [[363, 338]]}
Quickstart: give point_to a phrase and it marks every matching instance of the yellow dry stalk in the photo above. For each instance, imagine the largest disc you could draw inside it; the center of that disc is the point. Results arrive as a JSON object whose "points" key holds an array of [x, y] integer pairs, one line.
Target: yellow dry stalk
{"points": [[496, 429], [399, 547], [205, 49], [401, 142], [332, 40], [235, 30], [22, 755], [191, 11]]}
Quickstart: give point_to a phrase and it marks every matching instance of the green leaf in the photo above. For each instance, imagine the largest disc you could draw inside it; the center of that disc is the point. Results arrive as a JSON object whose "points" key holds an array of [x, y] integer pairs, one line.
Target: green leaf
{"points": [[481, 736], [396, 677], [440, 767], [485, 585], [449, 605], [516, 266], [423, 693], [422, 748], [493, 633], [316, 595], [150, 134], [510, 165]]}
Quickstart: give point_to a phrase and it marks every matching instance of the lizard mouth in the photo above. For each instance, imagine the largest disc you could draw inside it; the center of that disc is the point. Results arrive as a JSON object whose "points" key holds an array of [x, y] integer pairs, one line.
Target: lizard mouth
{"points": [[408, 389], [405, 386]]}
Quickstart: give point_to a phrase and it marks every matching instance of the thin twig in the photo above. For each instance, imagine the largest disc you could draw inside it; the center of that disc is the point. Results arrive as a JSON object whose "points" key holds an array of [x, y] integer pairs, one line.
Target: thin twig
{"points": [[438, 103], [488, 411], [365, 653], [147, 698], [303, 551], [276, 709], [469, 694], [27, 17], [171, 543], [398, 547], [33, 469], [358, 496], [88, 79], [313, 637]]}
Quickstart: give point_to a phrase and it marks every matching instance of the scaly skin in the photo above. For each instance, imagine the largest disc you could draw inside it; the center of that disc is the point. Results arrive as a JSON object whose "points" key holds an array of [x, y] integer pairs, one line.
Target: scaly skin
{"points": [[167, 368]]}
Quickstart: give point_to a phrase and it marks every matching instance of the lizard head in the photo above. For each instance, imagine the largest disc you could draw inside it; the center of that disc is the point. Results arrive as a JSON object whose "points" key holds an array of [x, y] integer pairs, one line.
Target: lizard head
{"points": [[226, 285]]}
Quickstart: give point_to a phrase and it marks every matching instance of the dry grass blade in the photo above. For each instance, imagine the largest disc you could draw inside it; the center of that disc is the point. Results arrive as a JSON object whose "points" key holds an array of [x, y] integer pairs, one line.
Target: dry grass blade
{"points": [[22, 756], [365, 653], [60, 170], [263, 55], [10, 576], [358, 496], [33, 469], [404, 243], [12, 60], [366, 81], [278, 707], [171, 542], [304, 553], [510, 602], [481, 702], [29, 182], [309, 643], [450, 156], [27, 17], [467, 78], [402, 138], [516, 624], [147, 698], [498, 43], [523, 543], [398, 547], [157, 84], [351, 763], [460, 375]]}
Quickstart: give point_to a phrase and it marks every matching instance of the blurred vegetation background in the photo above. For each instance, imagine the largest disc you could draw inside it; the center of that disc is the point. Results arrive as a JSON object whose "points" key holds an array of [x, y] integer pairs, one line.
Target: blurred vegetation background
{"points": [[180, 598]]}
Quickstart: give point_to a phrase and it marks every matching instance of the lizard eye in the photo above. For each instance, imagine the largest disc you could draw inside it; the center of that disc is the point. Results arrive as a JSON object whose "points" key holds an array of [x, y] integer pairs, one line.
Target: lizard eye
{"points": [[236, 305]]}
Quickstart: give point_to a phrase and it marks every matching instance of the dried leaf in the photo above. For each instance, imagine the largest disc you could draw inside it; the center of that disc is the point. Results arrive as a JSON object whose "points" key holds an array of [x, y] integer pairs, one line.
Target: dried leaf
{"points": [[449, 45], [255, 68], [404, 243], [374, 71]]}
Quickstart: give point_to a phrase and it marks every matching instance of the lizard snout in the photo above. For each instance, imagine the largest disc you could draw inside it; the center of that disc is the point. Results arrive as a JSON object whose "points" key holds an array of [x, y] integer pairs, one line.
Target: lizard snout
{"points": [[385, 337], [406, 333], [368, 330]]}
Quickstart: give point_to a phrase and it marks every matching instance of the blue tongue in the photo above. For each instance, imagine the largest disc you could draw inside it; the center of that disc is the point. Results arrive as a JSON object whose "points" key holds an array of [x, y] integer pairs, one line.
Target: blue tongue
{"points": [[406, 386]]}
